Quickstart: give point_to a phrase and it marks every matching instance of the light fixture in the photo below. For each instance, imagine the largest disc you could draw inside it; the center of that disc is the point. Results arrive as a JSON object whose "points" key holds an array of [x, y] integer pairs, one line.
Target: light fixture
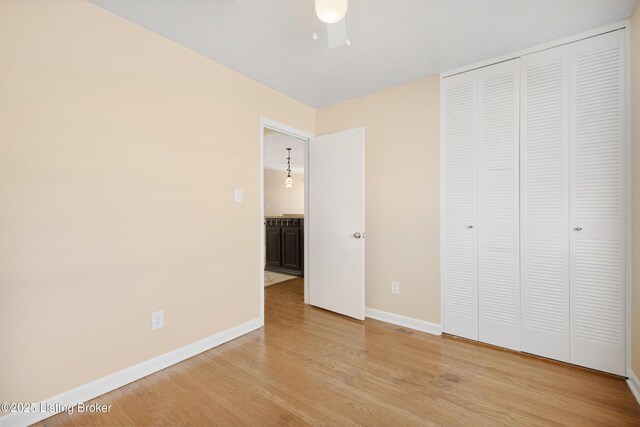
{"points": [[331, 11], [288, 183], [335, 14]]}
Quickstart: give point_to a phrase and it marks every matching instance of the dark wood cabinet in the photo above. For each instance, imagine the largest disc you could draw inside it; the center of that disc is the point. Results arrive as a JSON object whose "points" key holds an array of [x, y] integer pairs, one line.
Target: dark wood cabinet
{"points": [[291, 248], [285, 245], [274, 246]]}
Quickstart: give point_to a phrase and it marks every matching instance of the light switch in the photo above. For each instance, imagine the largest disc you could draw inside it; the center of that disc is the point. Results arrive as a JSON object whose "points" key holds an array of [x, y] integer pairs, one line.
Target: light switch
{"points": [[395, 288], [238, 195]]}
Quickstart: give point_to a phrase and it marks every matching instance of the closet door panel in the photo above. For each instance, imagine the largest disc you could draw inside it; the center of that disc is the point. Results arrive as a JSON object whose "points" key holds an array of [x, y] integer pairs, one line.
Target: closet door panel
{"points": [[459, 188], [598, 199], [498, 204], [545, 203]]}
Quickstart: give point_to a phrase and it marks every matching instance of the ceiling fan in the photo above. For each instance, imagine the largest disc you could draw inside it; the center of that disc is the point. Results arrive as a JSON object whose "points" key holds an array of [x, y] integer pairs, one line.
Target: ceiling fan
{"points": [[334, 14]]}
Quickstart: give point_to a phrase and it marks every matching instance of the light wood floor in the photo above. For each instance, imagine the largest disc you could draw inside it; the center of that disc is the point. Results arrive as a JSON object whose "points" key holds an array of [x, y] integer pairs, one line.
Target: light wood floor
{"points": [[309, 366]]}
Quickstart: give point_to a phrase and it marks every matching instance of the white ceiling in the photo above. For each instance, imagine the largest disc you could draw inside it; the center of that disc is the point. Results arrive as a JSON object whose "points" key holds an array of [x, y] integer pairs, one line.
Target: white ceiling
{"points": [[275, 152], [392, 41]]}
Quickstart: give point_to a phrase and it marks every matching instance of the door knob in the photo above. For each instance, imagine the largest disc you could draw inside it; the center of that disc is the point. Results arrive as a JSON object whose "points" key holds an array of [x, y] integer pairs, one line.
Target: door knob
{"points": [[357, 235], [577, 228], [469, 226]]}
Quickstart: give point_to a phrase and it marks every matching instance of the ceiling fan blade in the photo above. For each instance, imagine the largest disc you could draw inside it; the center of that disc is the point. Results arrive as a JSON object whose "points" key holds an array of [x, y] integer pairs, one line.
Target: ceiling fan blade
{"points": [[337, 34]]}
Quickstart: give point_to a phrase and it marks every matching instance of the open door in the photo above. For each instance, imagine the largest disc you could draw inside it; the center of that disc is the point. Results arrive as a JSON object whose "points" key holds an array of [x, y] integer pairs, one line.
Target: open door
{"points": [[336, 222]]}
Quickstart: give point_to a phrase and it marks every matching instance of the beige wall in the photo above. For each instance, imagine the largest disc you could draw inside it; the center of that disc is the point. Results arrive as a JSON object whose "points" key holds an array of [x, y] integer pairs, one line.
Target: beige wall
{"points": [[635, 186], [116, 194], [280, 200], [402, 193], [119, 155]]}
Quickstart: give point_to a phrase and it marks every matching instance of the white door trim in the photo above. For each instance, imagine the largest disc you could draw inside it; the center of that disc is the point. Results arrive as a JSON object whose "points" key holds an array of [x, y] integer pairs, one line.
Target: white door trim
{"points": [[629, 216], [266, 123]]}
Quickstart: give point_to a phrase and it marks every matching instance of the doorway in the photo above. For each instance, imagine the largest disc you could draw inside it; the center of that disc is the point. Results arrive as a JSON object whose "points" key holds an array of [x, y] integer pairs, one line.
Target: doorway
{"points": [[330, 231], [284, 197], [283, 206]]}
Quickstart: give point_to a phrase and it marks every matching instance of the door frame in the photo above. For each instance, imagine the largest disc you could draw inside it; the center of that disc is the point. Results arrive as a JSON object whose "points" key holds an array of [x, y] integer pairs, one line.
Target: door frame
{"points": [[266, 123]]}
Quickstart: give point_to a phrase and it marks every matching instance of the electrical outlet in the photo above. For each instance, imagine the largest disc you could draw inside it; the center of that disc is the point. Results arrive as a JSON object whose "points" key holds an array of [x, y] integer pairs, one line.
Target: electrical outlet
{"points": [[157, 320], [395, 288]]}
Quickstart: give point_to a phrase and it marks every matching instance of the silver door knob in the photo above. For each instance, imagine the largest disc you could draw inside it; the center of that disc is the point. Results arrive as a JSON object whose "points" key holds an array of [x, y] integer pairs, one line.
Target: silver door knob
{"points": [[357, 235], [577, 228], [469, 226]]}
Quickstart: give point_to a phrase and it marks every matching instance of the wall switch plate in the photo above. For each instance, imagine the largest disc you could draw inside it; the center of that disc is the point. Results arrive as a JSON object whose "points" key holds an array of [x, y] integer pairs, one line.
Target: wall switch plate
{"points": [[238, 195], [395, 288], [157, 320]]}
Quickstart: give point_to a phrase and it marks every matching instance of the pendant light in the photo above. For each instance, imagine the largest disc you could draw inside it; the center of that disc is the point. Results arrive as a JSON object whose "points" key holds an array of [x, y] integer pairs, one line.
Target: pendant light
{"points": [[288, 183], [331, 11]]}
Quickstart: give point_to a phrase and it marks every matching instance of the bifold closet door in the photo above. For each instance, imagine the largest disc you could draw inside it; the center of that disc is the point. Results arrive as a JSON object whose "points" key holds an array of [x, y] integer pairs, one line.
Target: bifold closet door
{"points": [[598, 202], [498, 204], [544, 203], [459, 194]]}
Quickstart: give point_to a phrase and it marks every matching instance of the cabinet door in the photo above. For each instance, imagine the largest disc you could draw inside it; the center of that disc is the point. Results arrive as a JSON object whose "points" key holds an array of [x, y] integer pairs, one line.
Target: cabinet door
{"points": [[498, 204], [544, 208], [291, 244], [274, 248], [598, 202], [459, 192]]}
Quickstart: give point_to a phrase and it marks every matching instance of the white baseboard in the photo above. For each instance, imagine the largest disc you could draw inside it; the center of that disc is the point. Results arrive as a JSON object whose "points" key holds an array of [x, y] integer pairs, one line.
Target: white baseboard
{"points": [[407, 322], [634, 385], [111, 382]]}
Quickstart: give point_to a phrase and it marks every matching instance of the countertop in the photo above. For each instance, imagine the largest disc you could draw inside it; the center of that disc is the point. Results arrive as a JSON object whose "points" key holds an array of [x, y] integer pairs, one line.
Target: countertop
{"points": [[285, 216]]}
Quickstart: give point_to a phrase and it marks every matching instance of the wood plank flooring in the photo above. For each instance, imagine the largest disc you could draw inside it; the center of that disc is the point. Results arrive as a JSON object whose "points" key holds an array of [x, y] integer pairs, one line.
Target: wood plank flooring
{"points": [[310, 366]]}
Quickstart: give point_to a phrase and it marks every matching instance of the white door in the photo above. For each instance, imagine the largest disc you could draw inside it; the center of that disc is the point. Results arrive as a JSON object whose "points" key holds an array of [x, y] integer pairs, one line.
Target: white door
{"points": [[336, 222], [544, 209], [598, 200], [498, 204], [459, 196]]}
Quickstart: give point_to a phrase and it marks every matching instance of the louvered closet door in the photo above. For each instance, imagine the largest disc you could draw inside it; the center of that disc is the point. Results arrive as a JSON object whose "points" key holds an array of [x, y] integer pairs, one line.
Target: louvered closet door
{"points": [[544, 204], [498, 204], [598, 197], [459, 248]]}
